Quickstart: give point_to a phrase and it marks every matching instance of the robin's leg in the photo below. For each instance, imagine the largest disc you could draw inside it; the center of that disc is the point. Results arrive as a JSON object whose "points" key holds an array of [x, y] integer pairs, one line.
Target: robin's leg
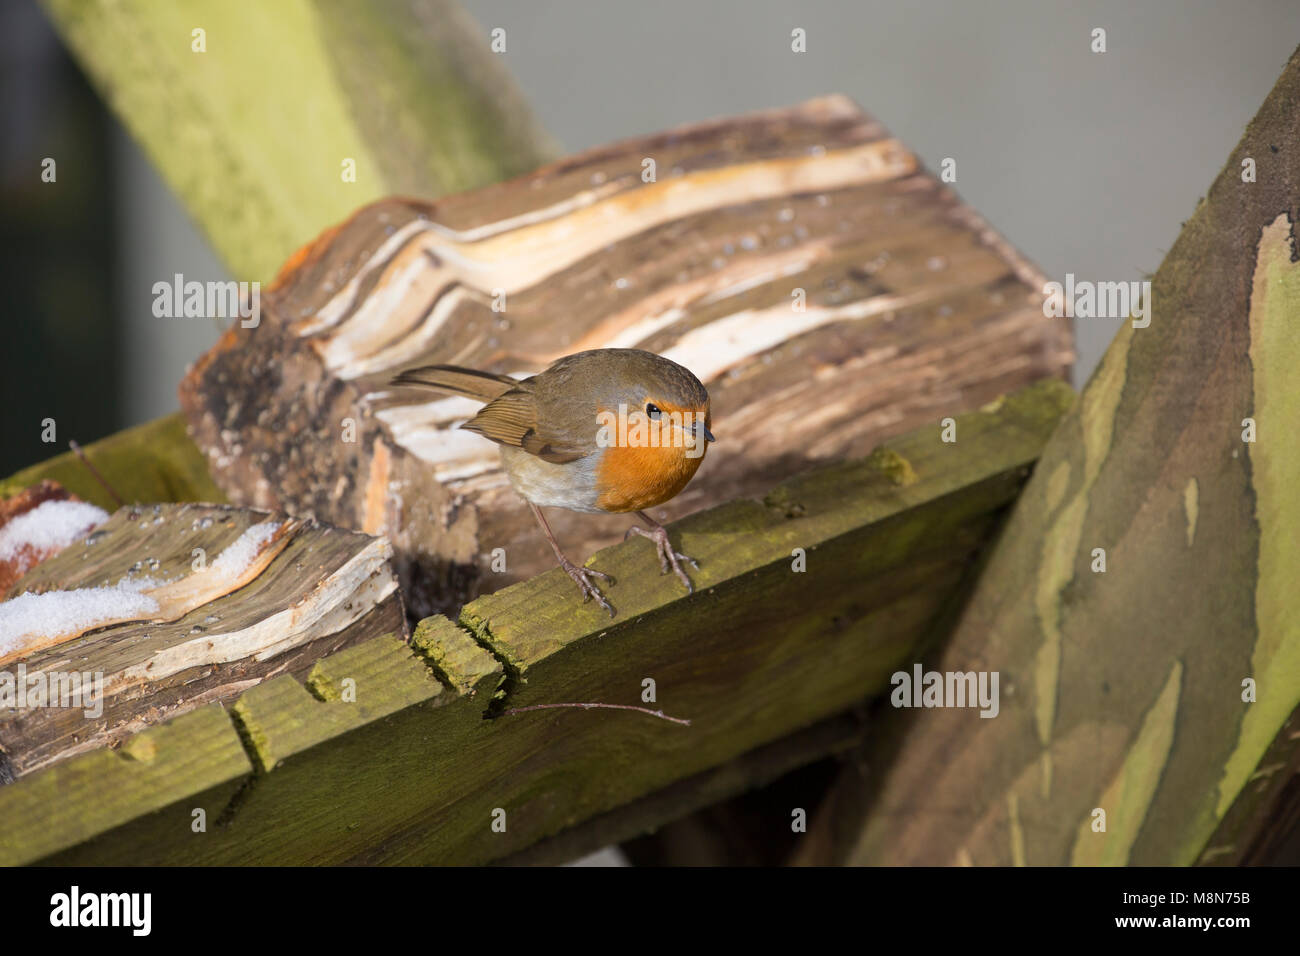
{"points": [[667, 556], [581, 576]]}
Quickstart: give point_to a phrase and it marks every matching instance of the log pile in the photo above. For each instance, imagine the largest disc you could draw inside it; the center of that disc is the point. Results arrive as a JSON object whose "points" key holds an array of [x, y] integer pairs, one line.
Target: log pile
{"points": [[381, 753]]}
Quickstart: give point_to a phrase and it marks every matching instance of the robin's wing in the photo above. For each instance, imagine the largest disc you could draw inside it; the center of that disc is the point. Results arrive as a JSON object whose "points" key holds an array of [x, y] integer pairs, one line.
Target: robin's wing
{"points": [[484, 386], [511, 419]]}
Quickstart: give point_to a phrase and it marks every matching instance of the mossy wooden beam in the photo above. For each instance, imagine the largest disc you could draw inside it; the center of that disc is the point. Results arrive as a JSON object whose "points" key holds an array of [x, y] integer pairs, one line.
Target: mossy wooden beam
{"points": [[1156, 692], [757, 768], [372, 746], [385, 755], [150, 463], [408, 92], [147, 794]]}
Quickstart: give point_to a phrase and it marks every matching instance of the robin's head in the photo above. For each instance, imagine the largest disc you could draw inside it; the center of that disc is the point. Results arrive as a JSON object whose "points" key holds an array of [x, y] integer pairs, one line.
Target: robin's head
{"points": [[653, 421], [668, 395]]}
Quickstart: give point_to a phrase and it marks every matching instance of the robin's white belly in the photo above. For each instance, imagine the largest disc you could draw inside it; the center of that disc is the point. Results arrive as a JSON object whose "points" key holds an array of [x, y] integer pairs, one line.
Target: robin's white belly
{"points": [[548, 485]]}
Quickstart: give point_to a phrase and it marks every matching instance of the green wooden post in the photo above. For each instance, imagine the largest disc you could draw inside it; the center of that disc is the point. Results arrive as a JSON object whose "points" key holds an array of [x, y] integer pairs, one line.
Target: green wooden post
{"points": [[252, 121], [1141, 605], [152, 462]]}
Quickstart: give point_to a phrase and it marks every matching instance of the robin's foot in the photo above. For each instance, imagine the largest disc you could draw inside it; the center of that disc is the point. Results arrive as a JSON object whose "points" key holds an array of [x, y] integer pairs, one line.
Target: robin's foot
{"points": [[668, 558], [582, 577]]}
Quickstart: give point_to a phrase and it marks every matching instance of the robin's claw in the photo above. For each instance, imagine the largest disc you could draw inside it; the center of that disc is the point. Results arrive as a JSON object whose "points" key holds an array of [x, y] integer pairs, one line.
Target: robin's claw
{"points": [[685, 579], [668, 558], [583, 578]]}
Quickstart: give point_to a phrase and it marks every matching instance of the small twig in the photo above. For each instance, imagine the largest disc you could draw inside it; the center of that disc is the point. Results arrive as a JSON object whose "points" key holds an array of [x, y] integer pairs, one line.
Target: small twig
{"points": [[644, 710], [95, 471]]}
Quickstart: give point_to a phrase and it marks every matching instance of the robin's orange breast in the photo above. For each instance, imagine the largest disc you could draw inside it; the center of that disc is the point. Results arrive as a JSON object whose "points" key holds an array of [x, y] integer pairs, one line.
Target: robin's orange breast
{"points": [[635, 478]]}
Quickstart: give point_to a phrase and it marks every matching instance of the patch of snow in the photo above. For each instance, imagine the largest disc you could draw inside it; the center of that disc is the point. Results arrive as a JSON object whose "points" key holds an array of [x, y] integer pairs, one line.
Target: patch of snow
{"points": [[50, 526], [237, 557], [26, 619], [30, 616]]}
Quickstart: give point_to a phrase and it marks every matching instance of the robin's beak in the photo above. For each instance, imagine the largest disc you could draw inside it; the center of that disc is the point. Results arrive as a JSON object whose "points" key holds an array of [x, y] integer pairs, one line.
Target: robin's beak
{"points": [[702, 429]]}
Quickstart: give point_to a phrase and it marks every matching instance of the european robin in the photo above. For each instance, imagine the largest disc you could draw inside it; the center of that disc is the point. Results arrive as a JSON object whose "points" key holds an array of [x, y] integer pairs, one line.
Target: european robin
{"points": [[608, 431]]}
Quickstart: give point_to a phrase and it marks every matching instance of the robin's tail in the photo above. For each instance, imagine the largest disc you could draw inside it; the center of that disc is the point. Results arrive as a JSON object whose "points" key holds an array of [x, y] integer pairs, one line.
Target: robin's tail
{"points": [[484, 386]]}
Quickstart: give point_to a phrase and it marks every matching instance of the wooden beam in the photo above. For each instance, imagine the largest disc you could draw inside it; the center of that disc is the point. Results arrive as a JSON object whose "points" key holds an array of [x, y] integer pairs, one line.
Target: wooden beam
{"points": [[149, 789], [154, 462], [384, 756], [757, 768]]}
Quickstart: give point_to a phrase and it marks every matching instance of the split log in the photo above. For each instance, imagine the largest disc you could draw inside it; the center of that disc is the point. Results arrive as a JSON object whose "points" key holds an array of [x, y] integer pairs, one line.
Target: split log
{"points": [[1149, 710], [829, 292], [164, 608]]}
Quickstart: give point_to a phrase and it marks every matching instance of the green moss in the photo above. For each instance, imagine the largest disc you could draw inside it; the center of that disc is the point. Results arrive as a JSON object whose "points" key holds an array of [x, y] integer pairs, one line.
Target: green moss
{"points": [[193, 761], [454, 654], [893, 466]]}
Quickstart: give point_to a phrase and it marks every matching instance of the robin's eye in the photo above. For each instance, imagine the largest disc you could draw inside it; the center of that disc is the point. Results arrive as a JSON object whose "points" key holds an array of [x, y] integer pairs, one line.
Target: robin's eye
{"points": [[653, 411]]}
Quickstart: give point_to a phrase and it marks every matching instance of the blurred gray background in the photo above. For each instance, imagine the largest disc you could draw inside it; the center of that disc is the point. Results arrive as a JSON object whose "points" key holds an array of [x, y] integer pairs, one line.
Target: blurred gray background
{"points": [[1087, 162]]}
